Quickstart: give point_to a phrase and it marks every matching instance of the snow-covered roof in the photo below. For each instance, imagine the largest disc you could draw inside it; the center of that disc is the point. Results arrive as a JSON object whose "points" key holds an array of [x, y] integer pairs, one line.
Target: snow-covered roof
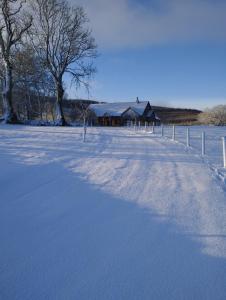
{"points": [[118, 108]]}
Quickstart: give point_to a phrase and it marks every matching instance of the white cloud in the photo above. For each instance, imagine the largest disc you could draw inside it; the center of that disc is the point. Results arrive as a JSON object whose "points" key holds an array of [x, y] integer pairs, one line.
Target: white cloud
{"points": [[122, 23]]}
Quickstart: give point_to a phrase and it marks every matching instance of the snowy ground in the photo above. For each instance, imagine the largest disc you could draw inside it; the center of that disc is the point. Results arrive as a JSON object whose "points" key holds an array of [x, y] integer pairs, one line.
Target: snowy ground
{"points": [[213, 140], [123, 216]]}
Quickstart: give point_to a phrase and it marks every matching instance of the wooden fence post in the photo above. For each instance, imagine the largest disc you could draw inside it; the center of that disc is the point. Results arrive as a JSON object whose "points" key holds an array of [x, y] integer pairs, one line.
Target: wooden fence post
{"points": [[84, 131], [224, 150], [162, 130], [153, 127], [188, 137], [174, 131], [203, 143]]}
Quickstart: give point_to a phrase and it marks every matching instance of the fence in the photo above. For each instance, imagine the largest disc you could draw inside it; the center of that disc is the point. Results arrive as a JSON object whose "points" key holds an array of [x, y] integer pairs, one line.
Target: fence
{"points": [[208, 141]]}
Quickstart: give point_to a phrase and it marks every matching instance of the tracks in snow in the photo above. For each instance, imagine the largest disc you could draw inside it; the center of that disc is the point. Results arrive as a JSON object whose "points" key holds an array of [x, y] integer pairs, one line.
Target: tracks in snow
{"points": [[163, 178], [155, 173]]}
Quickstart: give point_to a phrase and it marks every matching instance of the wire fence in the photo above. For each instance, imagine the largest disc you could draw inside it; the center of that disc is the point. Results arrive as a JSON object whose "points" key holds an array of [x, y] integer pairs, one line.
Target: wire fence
{"points": [[208, 141]]}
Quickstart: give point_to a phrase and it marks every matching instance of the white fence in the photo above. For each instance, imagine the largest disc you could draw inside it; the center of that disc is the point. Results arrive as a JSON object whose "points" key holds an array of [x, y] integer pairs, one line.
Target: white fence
{"points": [[208, 141]]}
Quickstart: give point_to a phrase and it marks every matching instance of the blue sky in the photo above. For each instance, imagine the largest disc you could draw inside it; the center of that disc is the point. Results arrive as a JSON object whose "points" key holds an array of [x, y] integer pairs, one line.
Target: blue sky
{"points": [[169, 52]]}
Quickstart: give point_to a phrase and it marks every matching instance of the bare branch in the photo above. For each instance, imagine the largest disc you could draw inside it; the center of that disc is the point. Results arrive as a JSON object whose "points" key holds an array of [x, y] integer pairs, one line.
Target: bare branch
{"points": [[60, 37]]}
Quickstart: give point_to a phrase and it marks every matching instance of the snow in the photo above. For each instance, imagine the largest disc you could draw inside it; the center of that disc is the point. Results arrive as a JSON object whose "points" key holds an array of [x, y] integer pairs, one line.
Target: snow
{"points": [[214, 145], [118, 108], [125, 215]]}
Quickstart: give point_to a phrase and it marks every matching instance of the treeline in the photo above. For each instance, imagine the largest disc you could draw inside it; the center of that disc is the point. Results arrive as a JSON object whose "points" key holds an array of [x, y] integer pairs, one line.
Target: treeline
{"points": [[41, 41], [170, 115], [212, 116], [41, 110]]}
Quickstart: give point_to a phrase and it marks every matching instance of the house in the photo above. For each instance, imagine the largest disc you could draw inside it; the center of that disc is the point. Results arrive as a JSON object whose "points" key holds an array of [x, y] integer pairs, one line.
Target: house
{"points": [[122, 113]]}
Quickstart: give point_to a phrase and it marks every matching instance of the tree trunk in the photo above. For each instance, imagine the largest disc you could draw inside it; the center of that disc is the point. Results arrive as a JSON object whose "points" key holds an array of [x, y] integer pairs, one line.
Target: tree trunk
{"points": [[60, 120], [9, 113]]}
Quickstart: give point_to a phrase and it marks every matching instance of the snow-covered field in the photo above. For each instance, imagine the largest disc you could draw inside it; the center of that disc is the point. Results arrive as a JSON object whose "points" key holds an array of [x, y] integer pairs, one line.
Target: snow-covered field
{"points": [[125, 215], [213, 135]]}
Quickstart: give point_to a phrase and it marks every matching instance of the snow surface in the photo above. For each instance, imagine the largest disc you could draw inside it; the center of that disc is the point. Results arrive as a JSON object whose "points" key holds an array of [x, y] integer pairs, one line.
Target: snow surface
{"points": [[214, 146], [125, 215]]}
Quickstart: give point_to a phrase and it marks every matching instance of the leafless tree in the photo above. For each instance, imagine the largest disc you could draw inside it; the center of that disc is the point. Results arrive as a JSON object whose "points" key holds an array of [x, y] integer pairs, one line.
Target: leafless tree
{"points": [[13, 24], [214, 116], [61, 38], [33, 82]]}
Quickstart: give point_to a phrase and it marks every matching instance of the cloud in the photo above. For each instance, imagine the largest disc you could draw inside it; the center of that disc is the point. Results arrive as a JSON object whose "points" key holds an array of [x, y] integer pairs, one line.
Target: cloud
{"points": [[126, 23]]}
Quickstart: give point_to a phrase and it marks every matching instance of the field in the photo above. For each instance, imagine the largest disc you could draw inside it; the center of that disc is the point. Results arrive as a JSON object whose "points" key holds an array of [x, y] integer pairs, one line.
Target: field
{"points": [[213, 134], [125, 215], [177, 115]]}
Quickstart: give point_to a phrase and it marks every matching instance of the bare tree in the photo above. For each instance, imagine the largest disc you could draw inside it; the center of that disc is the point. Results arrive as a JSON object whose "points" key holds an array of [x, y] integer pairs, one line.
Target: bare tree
{"points": [[214, 116], [61, 39], [33, 82], [84, 113], [13, 24]]}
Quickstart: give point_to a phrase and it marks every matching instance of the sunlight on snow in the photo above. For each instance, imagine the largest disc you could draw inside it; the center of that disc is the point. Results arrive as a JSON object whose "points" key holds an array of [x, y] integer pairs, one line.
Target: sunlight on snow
{"points": [[154, 173]]}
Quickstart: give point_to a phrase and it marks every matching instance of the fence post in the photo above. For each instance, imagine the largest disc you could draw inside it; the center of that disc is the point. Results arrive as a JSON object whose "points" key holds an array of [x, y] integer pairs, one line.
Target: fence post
{"points": [[188, 137], [203, 143], [84, 131], [162, 130], [174, 132], [139, 125], [145, 126], [224, 150], [153, 127]]}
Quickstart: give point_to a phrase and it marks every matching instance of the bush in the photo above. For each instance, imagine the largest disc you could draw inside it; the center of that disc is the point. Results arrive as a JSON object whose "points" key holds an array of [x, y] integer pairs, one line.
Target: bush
{"points": [[215, 116]]}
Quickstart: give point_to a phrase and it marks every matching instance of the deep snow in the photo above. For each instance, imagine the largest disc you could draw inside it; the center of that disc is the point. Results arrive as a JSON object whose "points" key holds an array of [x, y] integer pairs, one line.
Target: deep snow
{"points": [[123, 216]]}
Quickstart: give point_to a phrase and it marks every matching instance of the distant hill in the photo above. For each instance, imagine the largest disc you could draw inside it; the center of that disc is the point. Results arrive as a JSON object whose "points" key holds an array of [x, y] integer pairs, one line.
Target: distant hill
{"points": [[176, 115]]}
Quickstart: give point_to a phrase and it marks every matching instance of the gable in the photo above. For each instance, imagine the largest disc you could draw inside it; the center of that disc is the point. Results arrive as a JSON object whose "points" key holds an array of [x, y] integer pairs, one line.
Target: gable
{"points": [[119, 108], [130, 113]]}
